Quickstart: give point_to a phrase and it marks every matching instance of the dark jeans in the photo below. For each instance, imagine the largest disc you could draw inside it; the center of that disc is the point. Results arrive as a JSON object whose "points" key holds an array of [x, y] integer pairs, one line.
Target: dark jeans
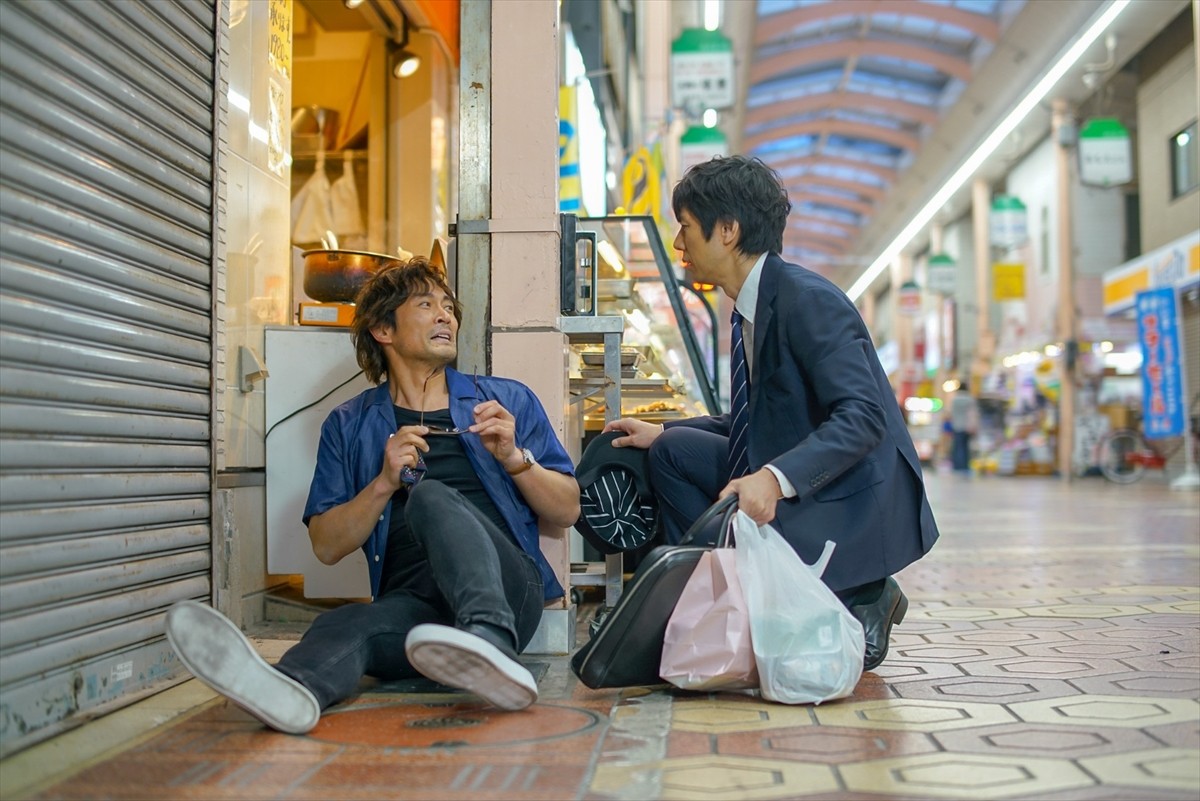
{"points": [[463, 571], [960, 451]]}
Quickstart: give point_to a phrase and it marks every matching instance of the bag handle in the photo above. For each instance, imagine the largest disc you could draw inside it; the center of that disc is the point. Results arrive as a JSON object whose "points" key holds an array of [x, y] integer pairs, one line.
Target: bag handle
{"points": [[726, 506]]}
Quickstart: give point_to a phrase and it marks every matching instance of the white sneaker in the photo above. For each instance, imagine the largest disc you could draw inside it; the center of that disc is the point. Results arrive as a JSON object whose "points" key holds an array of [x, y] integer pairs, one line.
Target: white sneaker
{"points": [[459, 659], [219, 655]]}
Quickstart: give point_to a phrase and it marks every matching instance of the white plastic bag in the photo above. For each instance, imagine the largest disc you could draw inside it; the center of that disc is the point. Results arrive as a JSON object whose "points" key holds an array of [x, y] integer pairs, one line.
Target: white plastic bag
{"points": [[807, 645]]}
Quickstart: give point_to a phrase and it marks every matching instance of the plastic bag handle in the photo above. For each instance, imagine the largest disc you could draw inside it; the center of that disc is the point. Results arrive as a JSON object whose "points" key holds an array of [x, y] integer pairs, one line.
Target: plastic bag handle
{"points": [[728, 506]]}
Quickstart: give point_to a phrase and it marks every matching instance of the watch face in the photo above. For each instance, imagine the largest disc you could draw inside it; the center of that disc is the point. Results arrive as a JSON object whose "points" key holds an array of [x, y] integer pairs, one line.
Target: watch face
{"points": [[528, 456]]}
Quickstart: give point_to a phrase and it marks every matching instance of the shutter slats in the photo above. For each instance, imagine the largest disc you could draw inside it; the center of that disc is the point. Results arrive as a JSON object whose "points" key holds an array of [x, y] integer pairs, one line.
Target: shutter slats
{"points": [[60, 487], [32, 211], [85, 549], [28, 349], [27, 384], [46, 252], [66, 421], [33, 316], [77, 293], [108, 170], [46, 590], [26, 524], [41, 454]]}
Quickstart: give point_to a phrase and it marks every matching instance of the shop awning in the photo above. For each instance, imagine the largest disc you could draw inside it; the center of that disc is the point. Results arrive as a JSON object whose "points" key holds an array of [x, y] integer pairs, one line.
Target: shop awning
{"points": [[1176, 264]]}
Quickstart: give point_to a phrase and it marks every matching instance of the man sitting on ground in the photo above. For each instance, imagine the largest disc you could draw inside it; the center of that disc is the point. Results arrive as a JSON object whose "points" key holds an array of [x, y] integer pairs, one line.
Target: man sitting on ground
{"points": [[440, 477]]}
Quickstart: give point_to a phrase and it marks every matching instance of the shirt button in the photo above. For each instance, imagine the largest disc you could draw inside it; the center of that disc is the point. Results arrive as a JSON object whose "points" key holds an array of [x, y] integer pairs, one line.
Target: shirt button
{"points": [[376, 557], [381, 517]]}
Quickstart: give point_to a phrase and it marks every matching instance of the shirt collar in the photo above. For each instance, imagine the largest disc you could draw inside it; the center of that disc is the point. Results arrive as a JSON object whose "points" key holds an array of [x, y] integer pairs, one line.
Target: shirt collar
{"points": [[747, 299]]}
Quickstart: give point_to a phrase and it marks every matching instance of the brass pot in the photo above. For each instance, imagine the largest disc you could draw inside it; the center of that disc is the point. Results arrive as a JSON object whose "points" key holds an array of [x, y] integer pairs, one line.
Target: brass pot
{"points": [[335, 276]]}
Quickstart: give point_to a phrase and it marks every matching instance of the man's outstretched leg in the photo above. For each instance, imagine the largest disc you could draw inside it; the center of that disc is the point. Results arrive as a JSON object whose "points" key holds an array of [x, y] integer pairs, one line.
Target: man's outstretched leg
{"points": [[217, 653]]}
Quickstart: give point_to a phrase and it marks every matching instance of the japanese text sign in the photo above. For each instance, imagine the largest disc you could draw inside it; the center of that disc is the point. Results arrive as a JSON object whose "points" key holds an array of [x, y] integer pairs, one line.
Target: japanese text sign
{"points": [[1162, 374]]}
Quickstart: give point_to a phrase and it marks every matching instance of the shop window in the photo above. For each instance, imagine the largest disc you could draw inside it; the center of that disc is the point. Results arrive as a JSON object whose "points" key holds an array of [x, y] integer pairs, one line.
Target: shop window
{"points": [[1185, 172]]}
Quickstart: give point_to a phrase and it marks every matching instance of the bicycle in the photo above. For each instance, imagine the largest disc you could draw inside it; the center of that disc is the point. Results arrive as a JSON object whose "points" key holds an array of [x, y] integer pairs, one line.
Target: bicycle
{"points": [[1124, 454]]}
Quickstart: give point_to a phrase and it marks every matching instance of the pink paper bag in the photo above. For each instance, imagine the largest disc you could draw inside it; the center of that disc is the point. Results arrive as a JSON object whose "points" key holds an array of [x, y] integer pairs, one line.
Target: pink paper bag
{"points": [[707, 644]]}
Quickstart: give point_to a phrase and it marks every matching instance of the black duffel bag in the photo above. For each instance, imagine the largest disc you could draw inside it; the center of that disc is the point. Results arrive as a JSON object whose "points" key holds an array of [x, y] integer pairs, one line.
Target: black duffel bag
{"points": [[626, 649]]}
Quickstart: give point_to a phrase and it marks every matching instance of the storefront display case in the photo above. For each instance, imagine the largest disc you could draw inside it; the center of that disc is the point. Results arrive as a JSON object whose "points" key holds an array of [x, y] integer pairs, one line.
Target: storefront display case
{"points": [[668, 350]]}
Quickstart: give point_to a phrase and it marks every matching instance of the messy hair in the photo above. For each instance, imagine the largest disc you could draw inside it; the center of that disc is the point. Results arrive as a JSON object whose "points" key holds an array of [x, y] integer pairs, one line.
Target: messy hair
{"points": [[376, 305], [737, 188]]}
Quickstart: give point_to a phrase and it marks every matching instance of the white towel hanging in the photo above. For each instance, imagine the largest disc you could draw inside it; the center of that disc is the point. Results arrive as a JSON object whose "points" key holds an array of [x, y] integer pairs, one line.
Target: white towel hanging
{"points": [[312, 214], [344, 204]]}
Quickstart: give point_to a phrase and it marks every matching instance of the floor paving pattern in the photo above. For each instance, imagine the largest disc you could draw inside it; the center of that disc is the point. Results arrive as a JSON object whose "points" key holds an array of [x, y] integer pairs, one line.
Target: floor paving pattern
{"points": [[1051, 651]]}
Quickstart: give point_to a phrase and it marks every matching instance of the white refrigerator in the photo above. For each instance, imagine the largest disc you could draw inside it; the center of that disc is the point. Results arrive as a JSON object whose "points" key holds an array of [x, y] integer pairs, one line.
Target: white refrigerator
{"points": [[311, 370]]}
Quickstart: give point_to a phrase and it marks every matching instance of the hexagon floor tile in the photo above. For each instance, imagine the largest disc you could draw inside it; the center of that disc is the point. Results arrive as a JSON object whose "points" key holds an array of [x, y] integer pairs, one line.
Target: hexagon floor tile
{"points": [[1051, 651]]}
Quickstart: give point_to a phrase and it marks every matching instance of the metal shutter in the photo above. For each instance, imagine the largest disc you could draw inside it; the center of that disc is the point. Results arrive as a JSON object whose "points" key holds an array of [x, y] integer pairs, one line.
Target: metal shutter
{"points": [[106, 348]]}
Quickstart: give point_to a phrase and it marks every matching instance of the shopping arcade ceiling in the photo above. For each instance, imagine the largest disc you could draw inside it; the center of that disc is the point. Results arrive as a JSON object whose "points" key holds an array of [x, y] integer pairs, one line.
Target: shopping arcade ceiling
{"points": [[841, 96]]}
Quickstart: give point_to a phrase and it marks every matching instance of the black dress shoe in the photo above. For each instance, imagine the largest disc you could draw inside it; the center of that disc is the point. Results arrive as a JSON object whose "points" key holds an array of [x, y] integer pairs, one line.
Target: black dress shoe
{"points": [[877, 619]]}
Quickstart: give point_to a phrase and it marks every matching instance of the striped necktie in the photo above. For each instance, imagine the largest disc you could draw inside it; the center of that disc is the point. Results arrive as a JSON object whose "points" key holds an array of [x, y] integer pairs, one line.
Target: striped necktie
{"points": [[739, 402]]}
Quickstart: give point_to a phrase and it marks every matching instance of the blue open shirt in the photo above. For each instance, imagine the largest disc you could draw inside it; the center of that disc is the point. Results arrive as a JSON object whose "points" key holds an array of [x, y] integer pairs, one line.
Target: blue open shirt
{"points": [[354, 435]]}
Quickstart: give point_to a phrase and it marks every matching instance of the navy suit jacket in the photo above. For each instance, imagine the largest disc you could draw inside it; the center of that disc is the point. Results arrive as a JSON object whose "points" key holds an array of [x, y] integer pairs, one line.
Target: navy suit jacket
{"points": [[823, 413]]}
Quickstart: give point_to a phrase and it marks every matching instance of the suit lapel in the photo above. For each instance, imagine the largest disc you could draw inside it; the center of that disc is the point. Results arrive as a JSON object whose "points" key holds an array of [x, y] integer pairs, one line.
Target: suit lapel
{"points": [[764, 314]]}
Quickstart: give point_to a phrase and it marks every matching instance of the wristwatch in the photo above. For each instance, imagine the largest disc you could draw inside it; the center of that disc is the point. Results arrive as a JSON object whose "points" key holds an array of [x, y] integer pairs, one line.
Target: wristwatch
{"points": [[527, 462]]}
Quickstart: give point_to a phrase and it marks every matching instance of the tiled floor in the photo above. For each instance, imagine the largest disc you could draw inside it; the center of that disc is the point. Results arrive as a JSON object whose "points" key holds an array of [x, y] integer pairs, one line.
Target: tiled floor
{"points": [[1052, 651]]}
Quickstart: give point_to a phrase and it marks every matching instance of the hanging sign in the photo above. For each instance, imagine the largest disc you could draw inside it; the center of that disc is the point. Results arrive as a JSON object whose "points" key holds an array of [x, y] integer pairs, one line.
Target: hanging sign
{"points": [[1008, 222], [942, 274], [701, 70], [909, 299], [1105, 153], [279, 36], [1162, 375], [1008, 282], [699, 144]]}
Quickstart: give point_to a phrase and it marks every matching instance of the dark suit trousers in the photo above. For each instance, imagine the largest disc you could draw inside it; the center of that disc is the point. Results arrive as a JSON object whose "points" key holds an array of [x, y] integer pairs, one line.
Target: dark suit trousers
{"points": [[688, 469]]}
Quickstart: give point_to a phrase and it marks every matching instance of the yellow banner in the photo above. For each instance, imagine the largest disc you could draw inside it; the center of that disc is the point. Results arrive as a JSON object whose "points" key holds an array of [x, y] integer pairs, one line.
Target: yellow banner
{"points": [[570, 191], [1008, 281], [279, 46], [640, 184]]}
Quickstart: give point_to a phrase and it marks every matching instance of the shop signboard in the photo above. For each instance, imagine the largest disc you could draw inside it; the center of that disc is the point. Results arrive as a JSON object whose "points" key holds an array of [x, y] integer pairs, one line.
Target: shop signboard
{"points": [[942, 274], [909, 299], [1162, 355], [701, 70], [1176, 264], [1007, 223], [699, 144], [1105, 153], [1008, 281]]}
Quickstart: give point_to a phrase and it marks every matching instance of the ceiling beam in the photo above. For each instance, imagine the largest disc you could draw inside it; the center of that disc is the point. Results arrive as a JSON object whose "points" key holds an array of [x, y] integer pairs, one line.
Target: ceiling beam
{"points": [[778, 27], [859, 101], [794, 59], [860, 130]]}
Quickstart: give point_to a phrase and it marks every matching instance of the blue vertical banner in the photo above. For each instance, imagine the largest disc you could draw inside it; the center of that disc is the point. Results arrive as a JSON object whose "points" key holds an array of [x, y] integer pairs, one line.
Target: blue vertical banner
{"points": [[1163, 409]]}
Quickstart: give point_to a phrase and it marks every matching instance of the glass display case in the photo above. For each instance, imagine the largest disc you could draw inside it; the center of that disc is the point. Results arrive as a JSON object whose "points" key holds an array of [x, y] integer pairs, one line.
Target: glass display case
{"points": [[669, 341]]}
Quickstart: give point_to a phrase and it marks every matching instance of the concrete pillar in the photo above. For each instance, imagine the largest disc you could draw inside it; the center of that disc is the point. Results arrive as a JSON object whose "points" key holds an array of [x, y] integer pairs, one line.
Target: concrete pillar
{"points": [[903, 323], [985, 340], [1061, 117], [508, 231]]}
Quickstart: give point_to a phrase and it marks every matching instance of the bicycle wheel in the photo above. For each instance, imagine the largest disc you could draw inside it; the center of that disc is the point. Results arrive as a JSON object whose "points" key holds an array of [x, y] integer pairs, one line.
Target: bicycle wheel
{"points": [[1114, 456]]}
